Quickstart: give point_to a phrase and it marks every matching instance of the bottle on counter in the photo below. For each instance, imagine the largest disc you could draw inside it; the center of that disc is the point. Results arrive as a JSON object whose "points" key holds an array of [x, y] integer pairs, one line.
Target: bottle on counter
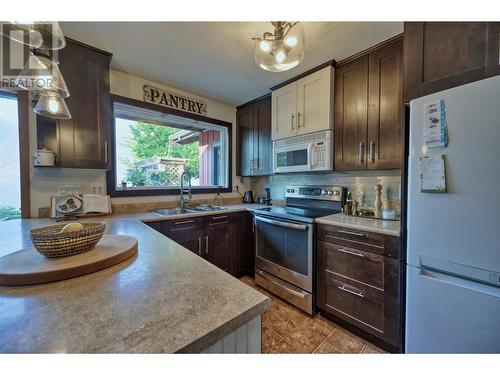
{"points": [[348, 204]]}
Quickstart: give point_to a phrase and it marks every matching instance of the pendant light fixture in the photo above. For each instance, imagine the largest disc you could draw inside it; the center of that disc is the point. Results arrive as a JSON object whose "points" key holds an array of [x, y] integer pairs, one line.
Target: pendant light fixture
{"points": [[41, 73], [279, 45], [51, 104], [44, 35]]}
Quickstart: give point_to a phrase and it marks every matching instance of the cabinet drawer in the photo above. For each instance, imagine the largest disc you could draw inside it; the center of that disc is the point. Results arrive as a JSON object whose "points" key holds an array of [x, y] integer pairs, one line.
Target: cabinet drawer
{"points": [[181, 225], [360, 240], [359, 304], [362, 266], [216, 220]]}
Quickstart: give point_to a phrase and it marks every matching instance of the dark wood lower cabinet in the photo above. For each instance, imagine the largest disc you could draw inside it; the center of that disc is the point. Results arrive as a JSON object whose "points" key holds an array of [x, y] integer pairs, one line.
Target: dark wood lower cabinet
{"points": [[224, 240], [358, 282]]}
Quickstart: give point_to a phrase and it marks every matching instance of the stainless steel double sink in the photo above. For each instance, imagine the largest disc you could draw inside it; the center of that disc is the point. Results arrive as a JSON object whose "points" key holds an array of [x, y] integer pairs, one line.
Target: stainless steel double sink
{"points": [[179, 211]]}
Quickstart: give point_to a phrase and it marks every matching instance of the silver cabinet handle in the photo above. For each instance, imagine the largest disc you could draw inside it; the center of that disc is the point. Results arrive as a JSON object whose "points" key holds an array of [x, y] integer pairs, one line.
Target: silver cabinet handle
{"points": [[372, 152], [106, 152], [199, 246], [282, 223], [206, 245], [359, 234], [183, 222], [358, 294], [361, 151], [298, 120], [292, 117], [342, 250]]}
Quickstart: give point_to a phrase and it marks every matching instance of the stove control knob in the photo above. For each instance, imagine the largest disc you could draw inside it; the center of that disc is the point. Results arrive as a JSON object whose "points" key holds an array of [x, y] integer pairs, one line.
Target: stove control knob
{"points": [[330, 192], [336, 192], [287, 190], [324, 192]]}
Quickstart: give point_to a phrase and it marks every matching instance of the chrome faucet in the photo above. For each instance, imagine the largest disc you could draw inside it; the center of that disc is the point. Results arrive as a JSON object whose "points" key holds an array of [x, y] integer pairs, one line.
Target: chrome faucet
{"points": [[182, 201]]}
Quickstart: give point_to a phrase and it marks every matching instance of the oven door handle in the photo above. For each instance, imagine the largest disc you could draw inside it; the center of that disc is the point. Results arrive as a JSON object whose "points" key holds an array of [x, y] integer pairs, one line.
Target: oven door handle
{"points": [[300, 294], [282, 223]]}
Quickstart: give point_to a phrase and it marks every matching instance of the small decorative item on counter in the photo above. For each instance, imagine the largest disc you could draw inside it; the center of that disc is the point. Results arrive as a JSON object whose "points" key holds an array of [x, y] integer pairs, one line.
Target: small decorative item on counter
{"points": [[52, 242], [348, 204], [378, 201], [124, 185], [268, 196], [366, 212], [355, 208], [218, 199], [389, 214]]}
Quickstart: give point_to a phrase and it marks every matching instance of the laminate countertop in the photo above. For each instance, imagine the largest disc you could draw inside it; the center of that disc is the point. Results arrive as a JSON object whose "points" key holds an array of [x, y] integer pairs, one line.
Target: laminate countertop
{"points": [[388, 227], [165, 299]]}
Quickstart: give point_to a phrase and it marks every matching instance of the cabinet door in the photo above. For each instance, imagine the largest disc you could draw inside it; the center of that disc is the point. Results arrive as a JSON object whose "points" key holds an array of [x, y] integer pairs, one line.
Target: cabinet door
{"points": [[186, 232], [284, 111], [441, 55], [262, 143], [314, 101], [216, 241], [351, 100], [84, 139], [245, 128], [385, 109]]}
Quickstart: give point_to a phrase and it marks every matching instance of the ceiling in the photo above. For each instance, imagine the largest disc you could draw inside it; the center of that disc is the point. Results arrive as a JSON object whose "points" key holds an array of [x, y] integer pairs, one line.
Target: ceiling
{"points": [[216, 59]]}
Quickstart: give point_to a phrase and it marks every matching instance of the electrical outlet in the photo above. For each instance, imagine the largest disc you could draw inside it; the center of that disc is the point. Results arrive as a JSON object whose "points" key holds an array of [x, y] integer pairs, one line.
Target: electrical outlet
{"points": [[70, 189], [97, 189]]}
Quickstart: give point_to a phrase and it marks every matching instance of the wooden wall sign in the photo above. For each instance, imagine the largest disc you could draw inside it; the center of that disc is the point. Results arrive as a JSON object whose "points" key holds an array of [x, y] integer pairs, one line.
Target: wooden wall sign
{"points": [[169, 99]]}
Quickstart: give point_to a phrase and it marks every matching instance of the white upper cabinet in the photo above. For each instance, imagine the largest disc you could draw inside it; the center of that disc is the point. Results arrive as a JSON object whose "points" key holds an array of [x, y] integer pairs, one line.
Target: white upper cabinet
{"points": [[284, 111], [304, 106]]}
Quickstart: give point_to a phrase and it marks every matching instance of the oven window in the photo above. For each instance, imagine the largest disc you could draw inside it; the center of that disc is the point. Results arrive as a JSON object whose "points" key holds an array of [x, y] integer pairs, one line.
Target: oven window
{"points": [[292, 158], [283, 246]]}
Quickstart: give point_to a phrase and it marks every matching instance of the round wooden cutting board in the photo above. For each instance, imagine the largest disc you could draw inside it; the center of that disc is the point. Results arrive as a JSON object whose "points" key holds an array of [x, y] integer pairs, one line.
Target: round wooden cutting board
{"points": [[28, 267]]}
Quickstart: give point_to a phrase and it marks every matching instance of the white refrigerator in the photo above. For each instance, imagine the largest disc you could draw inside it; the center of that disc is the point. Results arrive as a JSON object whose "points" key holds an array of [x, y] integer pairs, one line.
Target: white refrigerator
{"points": [[453, 238]]}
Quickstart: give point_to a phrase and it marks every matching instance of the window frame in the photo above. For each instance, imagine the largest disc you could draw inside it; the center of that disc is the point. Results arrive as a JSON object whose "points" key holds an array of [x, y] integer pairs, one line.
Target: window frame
{"points": [[111, 173], [23, 115]]}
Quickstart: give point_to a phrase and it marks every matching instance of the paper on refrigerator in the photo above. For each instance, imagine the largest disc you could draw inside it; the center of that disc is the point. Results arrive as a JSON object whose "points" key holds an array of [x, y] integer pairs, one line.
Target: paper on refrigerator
{"points": [[435, 128]]}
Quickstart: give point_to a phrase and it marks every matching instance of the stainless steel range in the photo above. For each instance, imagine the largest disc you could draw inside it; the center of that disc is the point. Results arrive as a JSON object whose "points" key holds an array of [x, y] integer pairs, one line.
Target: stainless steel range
{"points": [[285, 242]]}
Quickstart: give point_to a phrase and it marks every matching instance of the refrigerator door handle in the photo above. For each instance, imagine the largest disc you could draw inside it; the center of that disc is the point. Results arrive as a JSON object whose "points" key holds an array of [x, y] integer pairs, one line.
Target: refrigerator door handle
{"points": [[460, 282]]}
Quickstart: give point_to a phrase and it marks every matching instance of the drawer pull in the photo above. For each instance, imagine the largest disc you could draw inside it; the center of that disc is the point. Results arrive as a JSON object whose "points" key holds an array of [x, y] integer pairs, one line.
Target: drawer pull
{"points": [[183, 222], [358, 294], [342, 250], [358, 234]]}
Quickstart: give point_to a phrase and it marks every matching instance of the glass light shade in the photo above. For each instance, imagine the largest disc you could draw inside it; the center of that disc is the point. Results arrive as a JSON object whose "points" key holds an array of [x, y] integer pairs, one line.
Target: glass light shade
{"points": [[278, 54], [44, 35], [41, 73], [51, 104]]}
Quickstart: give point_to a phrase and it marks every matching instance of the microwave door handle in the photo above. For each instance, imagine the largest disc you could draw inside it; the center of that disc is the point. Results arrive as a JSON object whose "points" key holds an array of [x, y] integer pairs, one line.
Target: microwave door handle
{"points": [[310, 164]]}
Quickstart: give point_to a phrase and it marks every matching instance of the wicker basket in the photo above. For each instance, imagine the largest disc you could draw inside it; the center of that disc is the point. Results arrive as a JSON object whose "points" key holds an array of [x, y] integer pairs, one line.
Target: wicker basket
{"points": [[52, 243]]}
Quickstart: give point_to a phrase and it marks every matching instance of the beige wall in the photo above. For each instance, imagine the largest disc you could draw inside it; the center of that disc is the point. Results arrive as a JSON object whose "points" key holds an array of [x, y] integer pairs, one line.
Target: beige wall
{"points": [[45, 182]]}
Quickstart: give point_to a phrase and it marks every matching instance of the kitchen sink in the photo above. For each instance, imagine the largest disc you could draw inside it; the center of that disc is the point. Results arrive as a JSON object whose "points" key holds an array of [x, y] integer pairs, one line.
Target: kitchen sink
{"points": [[179, 211], [203, 208]]}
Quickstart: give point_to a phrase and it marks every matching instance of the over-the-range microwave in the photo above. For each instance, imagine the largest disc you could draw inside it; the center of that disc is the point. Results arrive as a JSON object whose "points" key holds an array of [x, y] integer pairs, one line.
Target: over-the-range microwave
{"points": [[304, 153]]}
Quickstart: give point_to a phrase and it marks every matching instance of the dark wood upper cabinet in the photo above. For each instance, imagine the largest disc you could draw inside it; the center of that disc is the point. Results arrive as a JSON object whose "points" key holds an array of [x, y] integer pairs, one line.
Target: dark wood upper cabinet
{"points": [[385, 108], [369, 109], [442, 55], [254, 138], [351, 101], [83, 140]]}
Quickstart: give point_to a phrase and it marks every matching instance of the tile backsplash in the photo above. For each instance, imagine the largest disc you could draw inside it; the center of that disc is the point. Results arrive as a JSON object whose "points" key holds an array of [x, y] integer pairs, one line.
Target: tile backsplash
{"points": [[361, 184]]}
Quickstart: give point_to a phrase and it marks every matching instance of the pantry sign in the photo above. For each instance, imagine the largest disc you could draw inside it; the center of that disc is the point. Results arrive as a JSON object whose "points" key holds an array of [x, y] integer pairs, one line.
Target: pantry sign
{"points": [[169, 99]]}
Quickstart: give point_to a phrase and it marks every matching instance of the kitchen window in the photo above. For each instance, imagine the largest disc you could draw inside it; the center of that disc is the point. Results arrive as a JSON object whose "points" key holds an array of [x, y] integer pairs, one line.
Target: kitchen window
{"points": [[153, 146], [14, 156]]}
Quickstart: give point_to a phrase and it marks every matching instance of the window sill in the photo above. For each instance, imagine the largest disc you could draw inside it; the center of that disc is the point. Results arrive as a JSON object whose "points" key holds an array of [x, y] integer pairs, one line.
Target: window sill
{"points": [[175, 191]]}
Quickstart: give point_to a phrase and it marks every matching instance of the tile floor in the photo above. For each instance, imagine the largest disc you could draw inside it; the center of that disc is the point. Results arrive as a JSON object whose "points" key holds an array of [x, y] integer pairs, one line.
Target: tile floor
{"points": [[286, 329]]}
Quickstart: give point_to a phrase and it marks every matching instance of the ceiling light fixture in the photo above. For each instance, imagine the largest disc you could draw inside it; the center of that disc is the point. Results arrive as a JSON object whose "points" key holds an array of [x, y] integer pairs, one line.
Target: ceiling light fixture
{"points": [[279, 45]]}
